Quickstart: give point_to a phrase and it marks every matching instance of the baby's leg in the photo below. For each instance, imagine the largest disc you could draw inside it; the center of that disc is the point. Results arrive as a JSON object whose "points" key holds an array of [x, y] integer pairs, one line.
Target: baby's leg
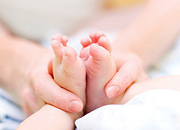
{"points": [[168, 82], [49, 118], [100, 68]]}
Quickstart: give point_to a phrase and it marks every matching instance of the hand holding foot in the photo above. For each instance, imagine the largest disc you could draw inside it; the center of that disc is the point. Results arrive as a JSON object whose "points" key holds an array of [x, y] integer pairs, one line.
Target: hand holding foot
{"points": [[100, 68], [69, 70], [129, 71]]}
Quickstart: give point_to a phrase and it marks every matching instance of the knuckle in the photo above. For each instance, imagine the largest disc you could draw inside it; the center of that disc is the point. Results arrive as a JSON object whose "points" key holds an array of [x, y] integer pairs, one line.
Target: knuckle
{"points": [[25, 95], [38, 84], [31, 74], [28, 97], [56, 102], [127, 80], [38, 87], [139, 68]]}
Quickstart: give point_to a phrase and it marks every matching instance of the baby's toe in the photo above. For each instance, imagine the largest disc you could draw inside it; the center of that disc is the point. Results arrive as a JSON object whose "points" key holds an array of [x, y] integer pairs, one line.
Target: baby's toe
{"points": [[58, 49], [104, 42], [94, 36], [99, 35], [62, 39], [98, 53], [85, 42], [69, 60]]}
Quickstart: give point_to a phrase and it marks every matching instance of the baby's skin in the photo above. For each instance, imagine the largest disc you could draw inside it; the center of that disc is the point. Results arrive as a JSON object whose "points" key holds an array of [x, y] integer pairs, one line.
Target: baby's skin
{"points": [[100, 68], [70, 71]]}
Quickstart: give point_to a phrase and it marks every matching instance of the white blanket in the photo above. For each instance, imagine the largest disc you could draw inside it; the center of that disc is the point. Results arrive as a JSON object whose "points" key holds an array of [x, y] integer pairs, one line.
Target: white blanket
{"points": [[151, 110]]}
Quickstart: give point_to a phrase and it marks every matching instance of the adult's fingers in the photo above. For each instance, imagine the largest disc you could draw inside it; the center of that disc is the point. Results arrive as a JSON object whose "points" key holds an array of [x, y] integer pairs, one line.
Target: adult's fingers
{"points": [[50, 92], [142, 77], [32, 102], [126, 75]]}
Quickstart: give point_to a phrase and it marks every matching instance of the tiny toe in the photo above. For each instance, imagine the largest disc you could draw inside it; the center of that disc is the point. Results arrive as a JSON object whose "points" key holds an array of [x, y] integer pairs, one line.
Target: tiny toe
{"points": [[92, 36], [98, 53], [60, 38], [64, 40], [58, 49], [55, 44], [99, 35], [70, 55], [85, 42], [69, 62], [84, 55], [57, 37], [104, 42]]}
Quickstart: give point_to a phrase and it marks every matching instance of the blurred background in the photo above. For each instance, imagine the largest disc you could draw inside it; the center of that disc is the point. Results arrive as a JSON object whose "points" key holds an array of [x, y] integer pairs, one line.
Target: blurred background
{"points": [[34, 19], [120, 3]]}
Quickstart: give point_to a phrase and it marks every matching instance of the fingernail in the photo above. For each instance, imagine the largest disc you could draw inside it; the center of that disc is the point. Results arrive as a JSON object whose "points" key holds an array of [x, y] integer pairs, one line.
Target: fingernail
{"points": [[112, 91], [75, 106]]}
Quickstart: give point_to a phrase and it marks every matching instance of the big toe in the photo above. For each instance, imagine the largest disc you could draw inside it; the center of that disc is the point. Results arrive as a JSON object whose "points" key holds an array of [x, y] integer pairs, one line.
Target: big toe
{"points": [[105, 43], [69, 62], [98, 53], [100, 62]]}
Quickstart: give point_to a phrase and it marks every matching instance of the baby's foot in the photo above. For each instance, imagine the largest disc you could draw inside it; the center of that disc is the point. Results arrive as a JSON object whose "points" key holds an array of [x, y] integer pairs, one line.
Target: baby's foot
{"points": [[68, 69], [100, 68]]}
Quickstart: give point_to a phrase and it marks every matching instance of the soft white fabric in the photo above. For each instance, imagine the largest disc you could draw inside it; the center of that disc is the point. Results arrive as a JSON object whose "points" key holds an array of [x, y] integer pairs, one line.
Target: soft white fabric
{"points": [[151, 110]]}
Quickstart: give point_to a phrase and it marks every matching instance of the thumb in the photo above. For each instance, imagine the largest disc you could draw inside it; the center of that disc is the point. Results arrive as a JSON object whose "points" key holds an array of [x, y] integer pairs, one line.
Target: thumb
{"points": [[51, 93], [126, 75]]}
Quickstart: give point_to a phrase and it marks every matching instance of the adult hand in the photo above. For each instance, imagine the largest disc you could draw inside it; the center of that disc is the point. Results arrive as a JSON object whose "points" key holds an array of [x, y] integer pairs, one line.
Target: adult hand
{"points": [[129, 70], [41, 81], [139, 41], [26, 71]]}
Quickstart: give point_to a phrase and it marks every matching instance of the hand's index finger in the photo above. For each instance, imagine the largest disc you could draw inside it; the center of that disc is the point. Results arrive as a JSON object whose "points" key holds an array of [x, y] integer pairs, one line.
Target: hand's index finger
{"points": [[53, 94]]}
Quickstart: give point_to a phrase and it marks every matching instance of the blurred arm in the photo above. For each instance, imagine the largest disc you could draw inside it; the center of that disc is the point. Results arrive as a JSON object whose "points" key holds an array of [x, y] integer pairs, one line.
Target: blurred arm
{"points": [[142, 28], [152, 33], [26, 73], [16, 56], [147, 32]]}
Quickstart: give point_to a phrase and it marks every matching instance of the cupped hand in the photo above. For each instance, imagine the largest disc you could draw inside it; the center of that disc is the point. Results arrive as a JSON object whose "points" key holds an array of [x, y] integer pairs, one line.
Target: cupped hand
{"points": [[129, 70], [41, 87]]}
